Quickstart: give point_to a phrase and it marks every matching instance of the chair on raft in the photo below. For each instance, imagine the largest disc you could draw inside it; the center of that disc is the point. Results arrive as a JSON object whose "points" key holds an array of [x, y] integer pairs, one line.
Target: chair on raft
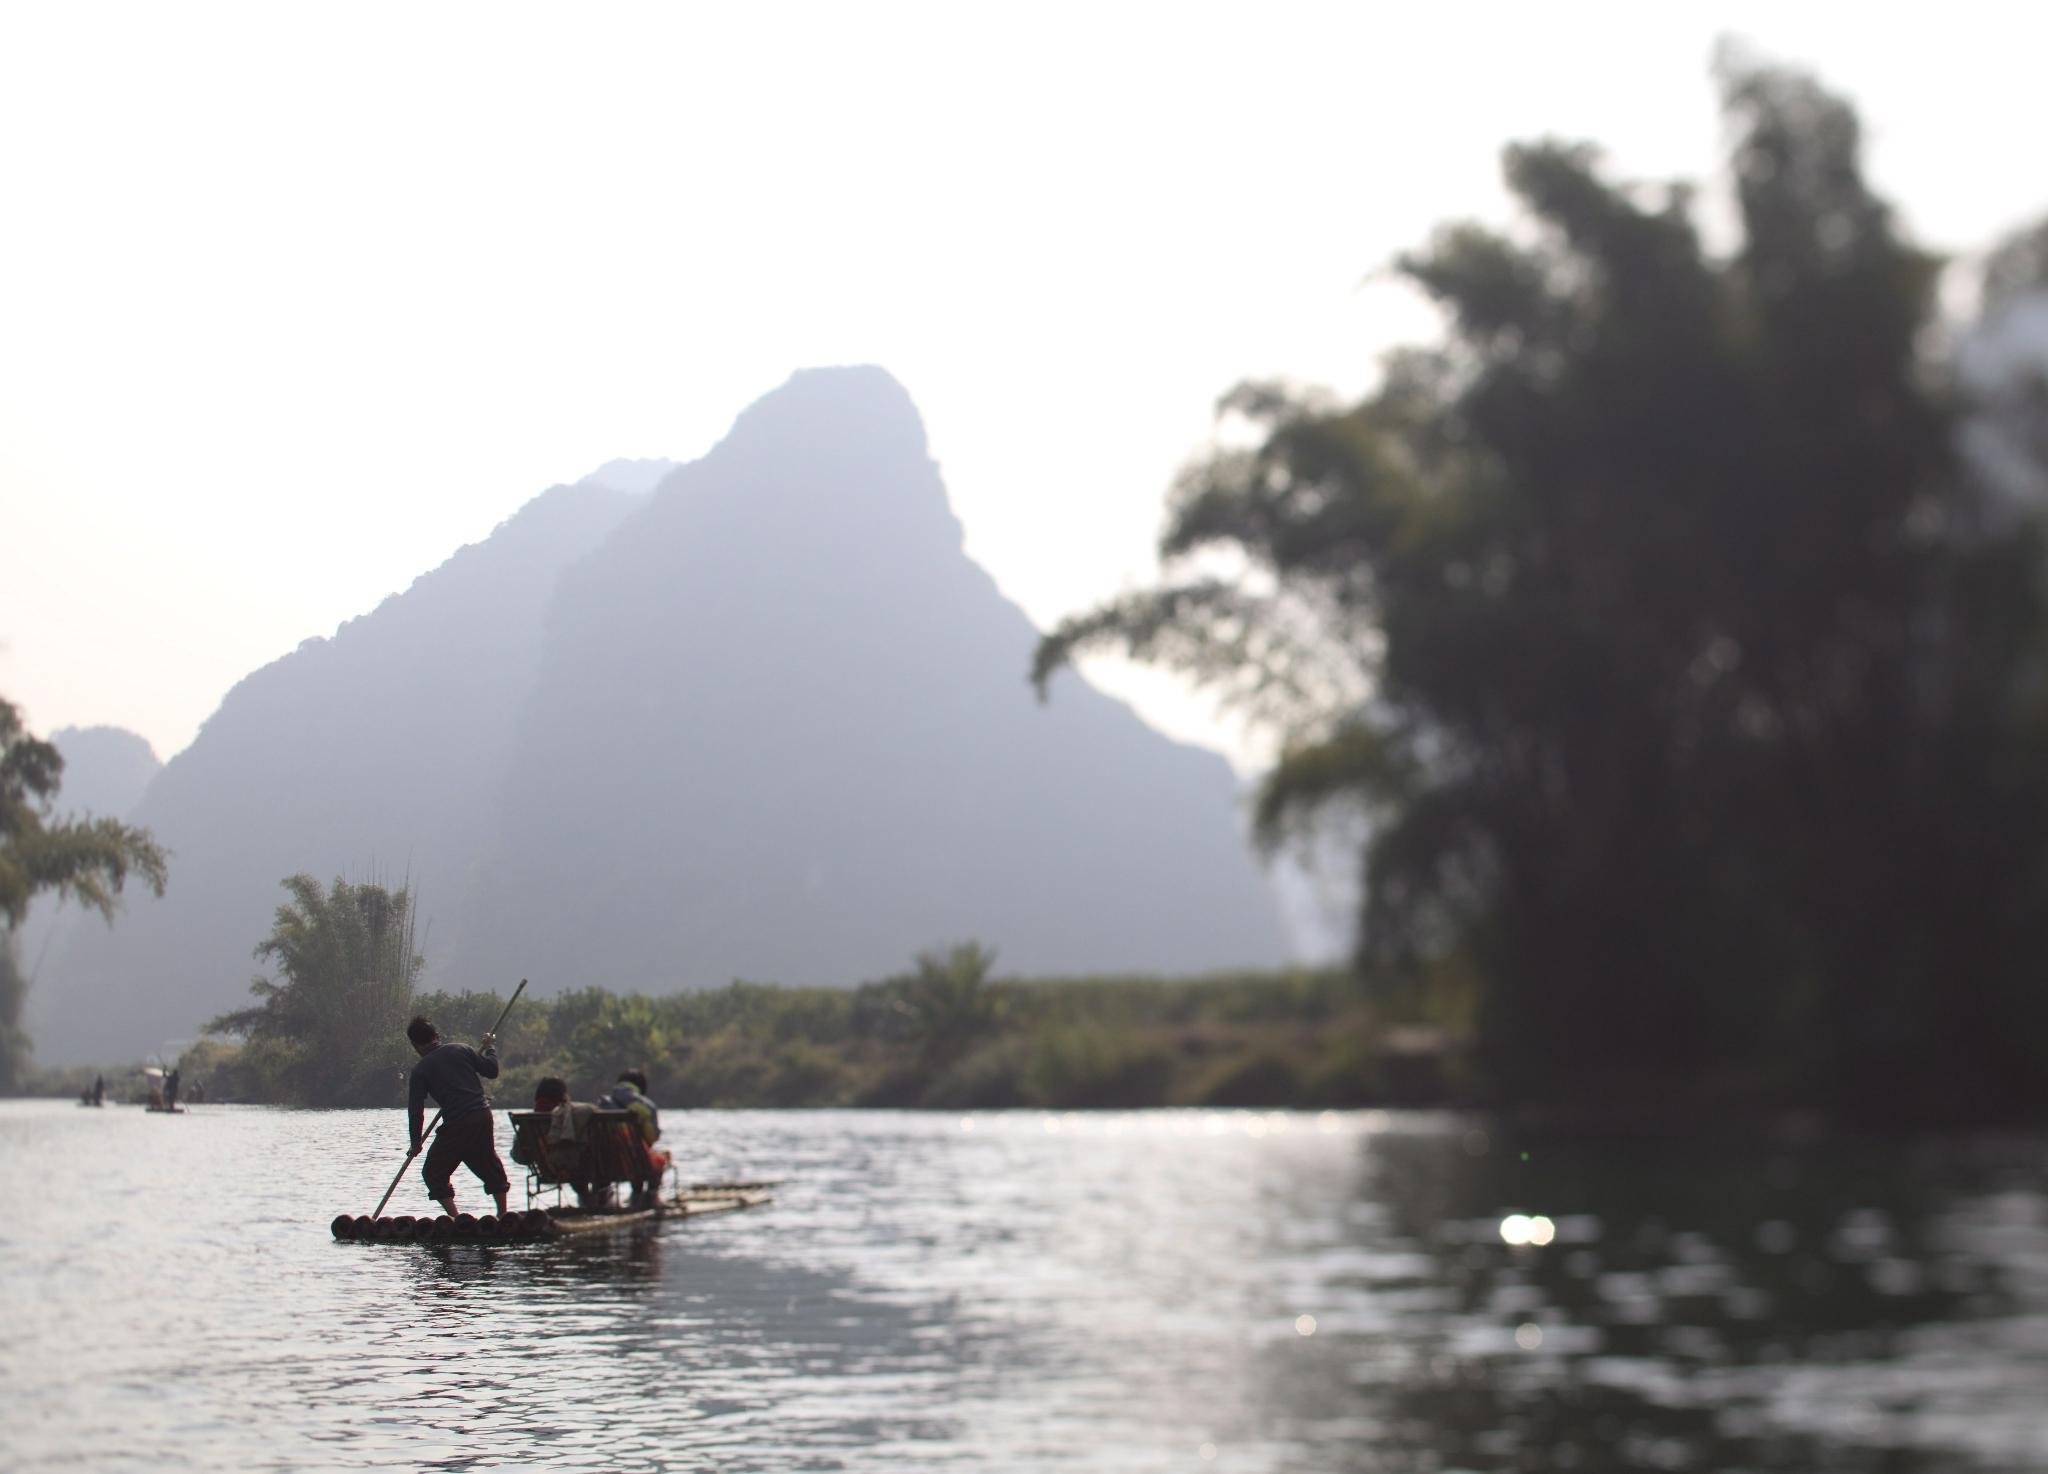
{"points": [[598, 1151]]}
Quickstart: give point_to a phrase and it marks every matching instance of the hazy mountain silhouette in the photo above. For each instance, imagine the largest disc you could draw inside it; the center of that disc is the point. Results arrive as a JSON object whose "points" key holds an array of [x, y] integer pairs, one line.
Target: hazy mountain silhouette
{"points": [[782, 731], [767, 721], [380, 750], [634, 477], [106, 770]]}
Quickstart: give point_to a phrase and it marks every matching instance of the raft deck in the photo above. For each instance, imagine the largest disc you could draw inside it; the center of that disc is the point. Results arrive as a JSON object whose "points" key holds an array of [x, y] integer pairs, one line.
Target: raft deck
{"points": [[693, 1201], [538, 1224]]}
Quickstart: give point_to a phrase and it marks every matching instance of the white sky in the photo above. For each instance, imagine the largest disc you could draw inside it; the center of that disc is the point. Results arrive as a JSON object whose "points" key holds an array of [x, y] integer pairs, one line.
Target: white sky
{"points": [[295, 300]]}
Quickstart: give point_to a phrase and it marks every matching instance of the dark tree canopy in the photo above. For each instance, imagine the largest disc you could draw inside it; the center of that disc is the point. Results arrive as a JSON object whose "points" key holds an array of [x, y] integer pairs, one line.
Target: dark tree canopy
{"points": [[1689, 679]]}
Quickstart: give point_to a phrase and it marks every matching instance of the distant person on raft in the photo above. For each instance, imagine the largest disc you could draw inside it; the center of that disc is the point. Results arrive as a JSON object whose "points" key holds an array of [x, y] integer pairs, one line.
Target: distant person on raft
{"points": [[454, 1075]]}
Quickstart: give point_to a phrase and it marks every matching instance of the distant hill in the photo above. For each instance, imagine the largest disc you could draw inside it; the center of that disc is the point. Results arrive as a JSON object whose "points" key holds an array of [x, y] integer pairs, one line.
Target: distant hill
{"points": [[782, 731], [106, 770], [765, 721], [379, 751], [634, 477]]}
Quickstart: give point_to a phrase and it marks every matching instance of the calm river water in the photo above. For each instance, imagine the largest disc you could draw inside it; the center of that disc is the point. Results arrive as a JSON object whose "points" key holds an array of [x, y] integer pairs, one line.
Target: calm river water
{"points": [[1148, 1291]]}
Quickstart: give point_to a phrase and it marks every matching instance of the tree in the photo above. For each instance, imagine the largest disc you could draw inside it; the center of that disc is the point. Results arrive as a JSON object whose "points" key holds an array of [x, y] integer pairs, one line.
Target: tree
{"points": [[79, 859], [1671, 648], [949, 999], [330, 1029]]}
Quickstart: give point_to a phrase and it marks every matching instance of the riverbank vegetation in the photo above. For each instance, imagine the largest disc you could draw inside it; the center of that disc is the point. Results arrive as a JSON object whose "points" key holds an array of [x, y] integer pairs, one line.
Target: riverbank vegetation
{"points": [[946, 1033]]}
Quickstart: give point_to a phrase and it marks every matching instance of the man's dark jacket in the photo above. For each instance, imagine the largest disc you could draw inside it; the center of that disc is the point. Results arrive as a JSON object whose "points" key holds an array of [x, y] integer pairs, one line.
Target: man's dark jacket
{"points": [[454, 1075]]}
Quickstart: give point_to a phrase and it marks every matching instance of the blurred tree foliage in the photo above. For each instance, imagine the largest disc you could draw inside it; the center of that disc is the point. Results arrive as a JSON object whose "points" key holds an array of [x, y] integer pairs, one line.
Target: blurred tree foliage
{"points": [[1687, 667], [80, 859], [331, 1028], [2003, 369]]}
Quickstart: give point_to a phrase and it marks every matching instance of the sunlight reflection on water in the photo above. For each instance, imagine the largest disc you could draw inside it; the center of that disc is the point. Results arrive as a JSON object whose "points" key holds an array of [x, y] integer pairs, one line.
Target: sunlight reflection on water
{"points": [[1244, 1291]]}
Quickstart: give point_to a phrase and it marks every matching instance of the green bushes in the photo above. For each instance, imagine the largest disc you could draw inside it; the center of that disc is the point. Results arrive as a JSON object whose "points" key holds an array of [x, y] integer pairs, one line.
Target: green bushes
{"points": [[1074, 1066], [947, 1034], [1262, 1079], [990, 1078]]}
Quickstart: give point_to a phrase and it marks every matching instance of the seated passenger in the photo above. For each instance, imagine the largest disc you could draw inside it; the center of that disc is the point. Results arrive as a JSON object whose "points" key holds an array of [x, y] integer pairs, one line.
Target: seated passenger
{"points": [[630, 1095], [562, 1155]]}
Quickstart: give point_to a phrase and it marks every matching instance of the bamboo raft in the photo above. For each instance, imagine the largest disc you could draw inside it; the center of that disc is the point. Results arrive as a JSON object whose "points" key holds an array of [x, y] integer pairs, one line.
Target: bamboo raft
{"points": [[603, 1154], [536, 1224]]}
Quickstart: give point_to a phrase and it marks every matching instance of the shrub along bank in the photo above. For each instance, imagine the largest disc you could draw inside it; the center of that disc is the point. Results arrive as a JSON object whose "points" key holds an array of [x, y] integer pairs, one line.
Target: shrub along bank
{"points": [[947, 1035]]}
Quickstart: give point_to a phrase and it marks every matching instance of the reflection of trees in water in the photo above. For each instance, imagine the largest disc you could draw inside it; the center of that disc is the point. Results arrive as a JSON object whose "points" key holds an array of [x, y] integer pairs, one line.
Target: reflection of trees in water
{"points": [[1704, 1305]]}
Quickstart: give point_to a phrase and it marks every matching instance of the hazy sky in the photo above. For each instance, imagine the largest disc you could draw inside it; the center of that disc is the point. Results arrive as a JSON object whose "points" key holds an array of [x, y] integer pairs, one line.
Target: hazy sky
{"points": [[295, 300]]}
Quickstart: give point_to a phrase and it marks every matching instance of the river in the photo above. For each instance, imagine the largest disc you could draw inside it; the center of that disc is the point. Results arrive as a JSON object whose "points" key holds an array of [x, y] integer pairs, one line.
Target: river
{"points": [[1170, 1290]]}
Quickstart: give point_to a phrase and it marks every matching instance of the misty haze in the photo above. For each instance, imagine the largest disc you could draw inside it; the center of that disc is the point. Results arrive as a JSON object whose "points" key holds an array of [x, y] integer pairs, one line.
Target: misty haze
{"points": [[1296, 741], [755, 717]]}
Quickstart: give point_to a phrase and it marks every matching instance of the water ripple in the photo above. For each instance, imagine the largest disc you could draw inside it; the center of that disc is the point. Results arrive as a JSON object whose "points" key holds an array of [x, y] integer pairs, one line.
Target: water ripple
{"points": [[1241, 1291]]}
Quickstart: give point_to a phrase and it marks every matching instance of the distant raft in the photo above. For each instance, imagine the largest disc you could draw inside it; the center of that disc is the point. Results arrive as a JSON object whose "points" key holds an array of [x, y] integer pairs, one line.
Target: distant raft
{"points": [[694, 1201]]}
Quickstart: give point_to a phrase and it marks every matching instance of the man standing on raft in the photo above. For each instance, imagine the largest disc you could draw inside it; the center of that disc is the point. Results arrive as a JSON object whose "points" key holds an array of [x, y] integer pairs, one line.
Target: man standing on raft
{"points": [[454, 1075]]}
